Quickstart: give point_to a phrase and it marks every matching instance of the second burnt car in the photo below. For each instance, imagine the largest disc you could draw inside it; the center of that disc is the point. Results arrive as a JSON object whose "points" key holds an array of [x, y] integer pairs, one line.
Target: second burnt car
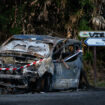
{"points": [[40, 63]]}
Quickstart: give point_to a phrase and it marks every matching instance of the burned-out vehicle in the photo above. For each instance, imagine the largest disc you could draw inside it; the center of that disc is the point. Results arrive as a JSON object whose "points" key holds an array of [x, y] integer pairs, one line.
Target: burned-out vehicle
{"points": [[40, 63]]}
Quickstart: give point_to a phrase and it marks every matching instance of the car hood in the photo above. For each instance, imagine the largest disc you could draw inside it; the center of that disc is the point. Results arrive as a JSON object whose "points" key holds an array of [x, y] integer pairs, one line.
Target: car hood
{"points": [[26, 46]]}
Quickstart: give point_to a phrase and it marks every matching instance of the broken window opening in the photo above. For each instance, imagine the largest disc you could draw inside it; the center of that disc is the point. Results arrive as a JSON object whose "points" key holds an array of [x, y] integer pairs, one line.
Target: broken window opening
{"points": [[64, 50]]}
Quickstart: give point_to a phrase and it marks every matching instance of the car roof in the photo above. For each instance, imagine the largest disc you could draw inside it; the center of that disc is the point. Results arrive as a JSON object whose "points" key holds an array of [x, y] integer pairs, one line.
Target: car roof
{"points": [[37, 37], [41, 37]]}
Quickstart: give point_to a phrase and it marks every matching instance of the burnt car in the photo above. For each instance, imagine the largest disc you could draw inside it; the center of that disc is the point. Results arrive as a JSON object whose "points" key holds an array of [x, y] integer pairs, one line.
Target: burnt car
{"points": [[40, 63]]}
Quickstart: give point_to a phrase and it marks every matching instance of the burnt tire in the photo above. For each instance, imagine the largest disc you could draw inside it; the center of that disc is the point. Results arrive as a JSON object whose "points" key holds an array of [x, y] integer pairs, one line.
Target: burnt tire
{"points": [[48, 82], [45, 83]]}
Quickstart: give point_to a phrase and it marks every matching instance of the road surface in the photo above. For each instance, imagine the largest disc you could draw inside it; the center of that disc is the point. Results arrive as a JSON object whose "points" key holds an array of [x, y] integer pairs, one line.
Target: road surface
{"points": [[55, 98]]}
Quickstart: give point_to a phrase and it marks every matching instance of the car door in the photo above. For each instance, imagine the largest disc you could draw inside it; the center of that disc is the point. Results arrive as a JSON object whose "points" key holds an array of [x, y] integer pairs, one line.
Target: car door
{"points": [[68, 64]]}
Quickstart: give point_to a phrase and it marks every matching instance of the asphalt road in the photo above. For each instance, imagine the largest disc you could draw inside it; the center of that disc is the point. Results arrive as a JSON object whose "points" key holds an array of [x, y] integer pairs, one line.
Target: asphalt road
{"points": [[55, 98]]}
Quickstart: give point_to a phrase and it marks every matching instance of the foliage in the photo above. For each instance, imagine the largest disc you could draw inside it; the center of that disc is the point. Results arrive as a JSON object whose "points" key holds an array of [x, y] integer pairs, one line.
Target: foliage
{"points": [[45, 16], [4, 20], [84, 24], [88, 56]]}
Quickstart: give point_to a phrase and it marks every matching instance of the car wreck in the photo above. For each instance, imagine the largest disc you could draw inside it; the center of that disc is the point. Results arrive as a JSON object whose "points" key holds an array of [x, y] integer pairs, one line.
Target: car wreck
{"points": [[39, 63]]}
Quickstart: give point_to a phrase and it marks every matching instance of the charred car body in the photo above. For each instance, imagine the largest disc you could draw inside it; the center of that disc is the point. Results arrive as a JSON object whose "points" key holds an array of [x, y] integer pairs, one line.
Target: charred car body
{"points": [[40, 62]]}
